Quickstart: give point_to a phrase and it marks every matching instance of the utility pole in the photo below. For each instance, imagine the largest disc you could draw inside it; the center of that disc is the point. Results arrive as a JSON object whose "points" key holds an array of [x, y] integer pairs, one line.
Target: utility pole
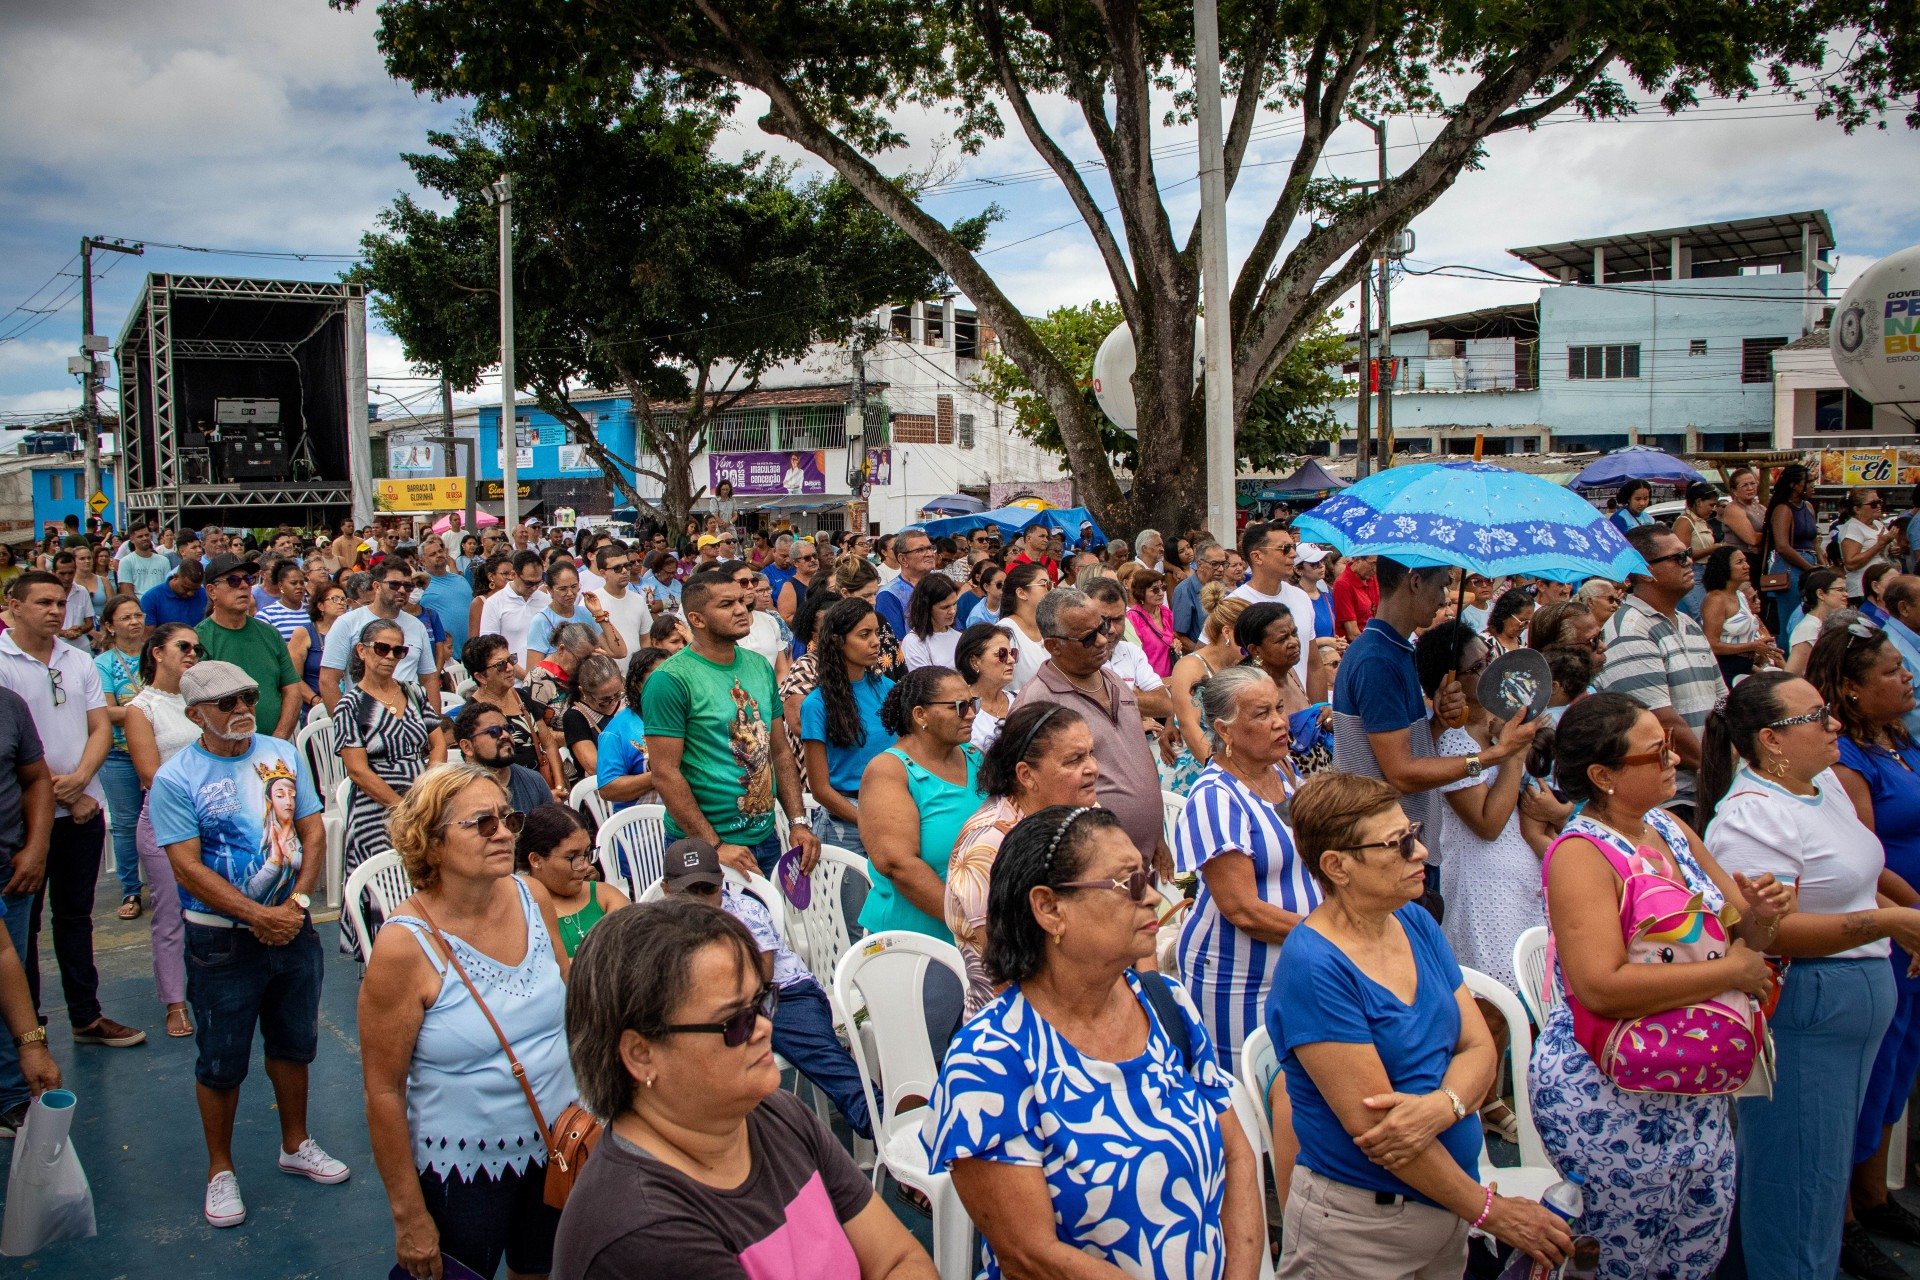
{"points": [[1213, 273], [92, 346], [1363, 429], [500, 196], [448, 443]]}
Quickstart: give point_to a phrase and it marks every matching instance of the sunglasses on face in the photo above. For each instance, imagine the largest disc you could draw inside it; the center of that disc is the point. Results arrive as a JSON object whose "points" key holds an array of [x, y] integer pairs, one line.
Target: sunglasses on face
{"points": [[503, 665], [386, 649], [234, 701], [738, 1029], [491, 731], [1106, 628], [188, 647], [1678, 557], [1138, 884], [1663, 756], [487, 825], [238, 580], [1403, 843], [1820, 715]]}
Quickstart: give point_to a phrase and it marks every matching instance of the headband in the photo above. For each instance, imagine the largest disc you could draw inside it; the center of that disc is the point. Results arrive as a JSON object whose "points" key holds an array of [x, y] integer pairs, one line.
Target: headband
{"points": [[1053, 845]]}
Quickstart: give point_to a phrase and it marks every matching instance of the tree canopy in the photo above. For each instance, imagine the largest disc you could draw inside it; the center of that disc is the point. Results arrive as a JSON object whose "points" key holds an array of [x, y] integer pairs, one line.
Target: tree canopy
{"points": [[833, 76], [642, 264]]}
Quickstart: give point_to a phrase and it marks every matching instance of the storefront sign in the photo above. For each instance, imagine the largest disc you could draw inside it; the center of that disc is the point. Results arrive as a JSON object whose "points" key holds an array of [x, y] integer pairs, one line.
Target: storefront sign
{"points": [[769, 473], [495, 490], [436, 493]]}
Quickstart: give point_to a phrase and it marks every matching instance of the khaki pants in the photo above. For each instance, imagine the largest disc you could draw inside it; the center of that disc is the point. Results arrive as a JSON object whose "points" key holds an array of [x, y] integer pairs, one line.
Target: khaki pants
{"points": [[1337, 1232]]}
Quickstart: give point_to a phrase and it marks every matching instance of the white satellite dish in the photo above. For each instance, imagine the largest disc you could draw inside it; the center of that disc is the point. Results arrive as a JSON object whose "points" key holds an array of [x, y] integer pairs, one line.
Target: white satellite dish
{"points": [[1876, 334], [1113, 366]]}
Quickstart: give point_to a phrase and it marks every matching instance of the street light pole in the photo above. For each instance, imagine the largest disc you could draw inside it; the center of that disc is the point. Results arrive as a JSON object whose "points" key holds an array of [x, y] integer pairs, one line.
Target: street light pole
{"points": [[500, 196], [1213, 274], [91, 346]]}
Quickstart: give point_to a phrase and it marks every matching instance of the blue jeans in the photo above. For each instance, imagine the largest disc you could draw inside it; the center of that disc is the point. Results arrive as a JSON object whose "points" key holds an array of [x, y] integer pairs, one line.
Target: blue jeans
{"points": [[833, 831], [15, 912], [767, 853], [235, 982], [803, 1035], [1796, 1150], [124, 796]]}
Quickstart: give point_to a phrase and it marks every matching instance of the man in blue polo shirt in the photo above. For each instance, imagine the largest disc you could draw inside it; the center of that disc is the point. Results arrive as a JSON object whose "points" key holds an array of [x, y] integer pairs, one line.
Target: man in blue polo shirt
{"points": [[1382, 726], [181, 598]]}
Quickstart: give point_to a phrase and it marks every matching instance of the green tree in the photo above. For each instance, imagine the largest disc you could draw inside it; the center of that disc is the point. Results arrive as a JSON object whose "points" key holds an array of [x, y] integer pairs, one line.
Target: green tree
{"points": [[642, 265], [832, 76], [1294, 409]]}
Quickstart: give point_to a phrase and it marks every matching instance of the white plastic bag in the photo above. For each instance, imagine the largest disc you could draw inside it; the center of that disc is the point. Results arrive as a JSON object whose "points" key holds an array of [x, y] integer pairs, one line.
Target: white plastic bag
{"points": [[48, 1198]]}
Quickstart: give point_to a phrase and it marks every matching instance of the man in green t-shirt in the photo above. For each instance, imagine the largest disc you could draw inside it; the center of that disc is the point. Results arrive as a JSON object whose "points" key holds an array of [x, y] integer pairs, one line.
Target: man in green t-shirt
{"points": [[231, 633], [720, 757]]}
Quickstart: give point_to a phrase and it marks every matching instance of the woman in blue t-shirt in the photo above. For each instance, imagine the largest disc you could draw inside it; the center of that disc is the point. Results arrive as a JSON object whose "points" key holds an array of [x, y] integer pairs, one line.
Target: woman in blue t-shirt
{"points": [[840, 729], [1386, 1058]]}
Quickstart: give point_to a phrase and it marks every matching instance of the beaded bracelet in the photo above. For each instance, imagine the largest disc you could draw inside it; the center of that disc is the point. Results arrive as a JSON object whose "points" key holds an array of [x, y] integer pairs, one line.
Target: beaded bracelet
{"points": [[1485, 1209]]}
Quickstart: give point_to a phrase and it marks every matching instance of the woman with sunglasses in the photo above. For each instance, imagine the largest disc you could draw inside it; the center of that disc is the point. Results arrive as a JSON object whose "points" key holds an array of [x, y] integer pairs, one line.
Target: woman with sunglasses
{"points": [[915, 797], [1044, 758], [1385, 1058], [985, 659], [124, 628], [1865, 538], [156, 726], [598, 685], [554, 851], [1860, 675], [1774, 805], [705, 1162], [980, 602], [324, 608], [1659, 1167], [1234, 832], [489, 661], [840, 726], [457, 1146], [1740, 641], [387, 737], [1083, 1114], [1822, 594]]}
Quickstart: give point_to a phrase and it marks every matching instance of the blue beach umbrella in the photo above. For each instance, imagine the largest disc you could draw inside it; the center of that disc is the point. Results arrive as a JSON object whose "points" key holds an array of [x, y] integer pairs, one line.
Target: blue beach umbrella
{"points": [[1635, 462], [1479, 517]]}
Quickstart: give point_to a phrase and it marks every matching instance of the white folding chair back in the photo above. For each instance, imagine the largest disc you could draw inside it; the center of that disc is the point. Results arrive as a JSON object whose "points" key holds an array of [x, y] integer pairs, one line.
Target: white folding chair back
{"points": [[318, 714], [1537, 990], [1259, 1064], [334, 825], [766, 891], [885, 975], [1251, 1112], [1171, 805], [317, 747], [385, 877], [585, 797], [1535, 1167], [654, 892], [455, 673], [823, 932], [632, 847]]}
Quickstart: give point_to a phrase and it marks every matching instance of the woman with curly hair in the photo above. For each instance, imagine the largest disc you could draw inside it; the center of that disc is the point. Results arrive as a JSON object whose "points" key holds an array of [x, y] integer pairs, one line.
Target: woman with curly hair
{"points": [[840, 729]]}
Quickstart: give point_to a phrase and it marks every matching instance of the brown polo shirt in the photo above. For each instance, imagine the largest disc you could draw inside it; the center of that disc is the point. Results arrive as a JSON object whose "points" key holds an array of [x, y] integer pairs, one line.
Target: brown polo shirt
{"points": [[1129, 783]]}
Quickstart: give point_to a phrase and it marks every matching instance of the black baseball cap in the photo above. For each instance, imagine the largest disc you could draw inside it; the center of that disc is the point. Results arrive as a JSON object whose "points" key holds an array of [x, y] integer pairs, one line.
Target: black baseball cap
{"points": [[690, 861]]}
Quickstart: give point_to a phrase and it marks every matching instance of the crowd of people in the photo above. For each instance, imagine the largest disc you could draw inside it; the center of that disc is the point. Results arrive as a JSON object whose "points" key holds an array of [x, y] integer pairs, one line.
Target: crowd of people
{"points": [[1046, 755]]}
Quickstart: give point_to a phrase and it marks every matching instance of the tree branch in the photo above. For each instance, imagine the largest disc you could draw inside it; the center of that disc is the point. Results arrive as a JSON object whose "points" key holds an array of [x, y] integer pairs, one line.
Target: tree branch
{"points": [[1525, 116]]}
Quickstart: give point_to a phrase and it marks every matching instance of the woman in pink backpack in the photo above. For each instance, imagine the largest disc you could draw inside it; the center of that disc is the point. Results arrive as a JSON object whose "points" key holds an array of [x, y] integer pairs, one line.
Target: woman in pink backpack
{"points": [[1657, 952]]}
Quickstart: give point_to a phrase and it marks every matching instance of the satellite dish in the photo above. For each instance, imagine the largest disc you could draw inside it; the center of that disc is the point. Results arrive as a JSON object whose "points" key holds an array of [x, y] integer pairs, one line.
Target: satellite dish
{"points": [[1113, 366], [1876, 334]]}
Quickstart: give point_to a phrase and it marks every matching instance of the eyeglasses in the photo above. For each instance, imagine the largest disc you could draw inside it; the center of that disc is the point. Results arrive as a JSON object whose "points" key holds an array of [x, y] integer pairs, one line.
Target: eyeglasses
{"points": [[738, 1029], [1138, 884], [247, 698], [188, 646], [1106, 628], [59, 687], [384, 649], [487, 825], [1403, 843], [584, 858], [1820, 715], [961, 706], [1662, 757]]}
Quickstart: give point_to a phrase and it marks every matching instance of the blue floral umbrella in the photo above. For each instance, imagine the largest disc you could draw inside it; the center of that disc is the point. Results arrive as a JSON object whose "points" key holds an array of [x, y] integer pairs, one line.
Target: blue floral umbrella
{"points": [[1483, 518]]}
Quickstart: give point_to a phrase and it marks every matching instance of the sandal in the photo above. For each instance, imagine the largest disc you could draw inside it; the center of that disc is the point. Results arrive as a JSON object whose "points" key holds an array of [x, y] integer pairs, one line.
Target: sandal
{"points": [[130, 907], [179, 1026], [1499, 1120]]}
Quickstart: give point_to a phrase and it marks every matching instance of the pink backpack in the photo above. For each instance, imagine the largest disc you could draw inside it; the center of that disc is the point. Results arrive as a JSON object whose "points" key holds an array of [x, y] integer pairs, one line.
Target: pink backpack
{"points": [[1698, 1049]]}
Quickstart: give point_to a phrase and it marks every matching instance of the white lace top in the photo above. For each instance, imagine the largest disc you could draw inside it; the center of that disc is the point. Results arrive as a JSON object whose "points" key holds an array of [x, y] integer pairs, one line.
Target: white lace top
{"points": [[167, 713]]}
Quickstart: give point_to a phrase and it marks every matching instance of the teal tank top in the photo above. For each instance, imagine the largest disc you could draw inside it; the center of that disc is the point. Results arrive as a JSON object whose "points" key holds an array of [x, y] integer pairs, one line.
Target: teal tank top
{"points": [[944, 809]]}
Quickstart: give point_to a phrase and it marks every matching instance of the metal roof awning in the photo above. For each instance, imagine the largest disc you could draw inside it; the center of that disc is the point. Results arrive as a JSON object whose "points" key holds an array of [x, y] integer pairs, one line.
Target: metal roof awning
{"points": [[1648, 254]]}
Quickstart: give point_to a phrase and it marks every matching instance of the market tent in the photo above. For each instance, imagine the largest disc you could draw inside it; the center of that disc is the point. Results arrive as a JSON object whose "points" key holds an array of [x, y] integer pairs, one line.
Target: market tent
{"points": [[955, 504], [1310, 480], [1635, 462], [1012, 521]]}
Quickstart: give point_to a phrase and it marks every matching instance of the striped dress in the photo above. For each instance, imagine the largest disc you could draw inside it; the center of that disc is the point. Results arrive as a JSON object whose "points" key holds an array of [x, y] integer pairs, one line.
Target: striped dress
{"points": [[1225, 971], [397, 752]]}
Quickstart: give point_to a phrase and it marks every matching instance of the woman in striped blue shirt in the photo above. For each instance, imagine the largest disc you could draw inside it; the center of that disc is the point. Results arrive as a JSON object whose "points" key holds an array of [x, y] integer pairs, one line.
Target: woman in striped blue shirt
{"points": [[1235, 831]]}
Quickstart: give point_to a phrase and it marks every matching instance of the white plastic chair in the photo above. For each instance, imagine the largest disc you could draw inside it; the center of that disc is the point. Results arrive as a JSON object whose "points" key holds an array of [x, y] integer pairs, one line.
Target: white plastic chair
{"points": [[1172, 804], [886, 976], [1259, 1064], [1535, 1172], [1252, 1115], [586, 797], [316, 746], [1537, 990], [822, 933], [318, 714], [632, 848], [455, 674], [335, 827], [385, 877]]}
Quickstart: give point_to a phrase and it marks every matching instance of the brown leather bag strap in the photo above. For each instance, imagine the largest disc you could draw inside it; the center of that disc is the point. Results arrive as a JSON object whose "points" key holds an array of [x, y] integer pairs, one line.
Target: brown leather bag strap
{"points": [[513, 1059]]}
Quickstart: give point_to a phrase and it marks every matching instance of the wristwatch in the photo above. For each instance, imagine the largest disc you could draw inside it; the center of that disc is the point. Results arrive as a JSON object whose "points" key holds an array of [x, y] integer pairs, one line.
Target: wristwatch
{"points": [[302, 901], [1453, 1100], [1474, 767], [801, 821], [36, 1036]]}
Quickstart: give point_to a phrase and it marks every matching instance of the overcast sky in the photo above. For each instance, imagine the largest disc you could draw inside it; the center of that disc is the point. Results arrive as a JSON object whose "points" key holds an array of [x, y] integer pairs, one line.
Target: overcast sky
{"points": [[272, 125]]}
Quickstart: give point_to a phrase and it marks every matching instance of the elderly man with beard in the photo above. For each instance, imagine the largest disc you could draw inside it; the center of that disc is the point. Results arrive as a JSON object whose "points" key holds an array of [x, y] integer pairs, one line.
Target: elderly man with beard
{"points": [[238, 815]]}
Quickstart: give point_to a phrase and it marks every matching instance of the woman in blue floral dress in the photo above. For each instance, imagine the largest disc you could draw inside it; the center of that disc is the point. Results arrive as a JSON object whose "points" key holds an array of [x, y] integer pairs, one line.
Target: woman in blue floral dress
{"points": [[1659, 1167], [1100, 1078]]}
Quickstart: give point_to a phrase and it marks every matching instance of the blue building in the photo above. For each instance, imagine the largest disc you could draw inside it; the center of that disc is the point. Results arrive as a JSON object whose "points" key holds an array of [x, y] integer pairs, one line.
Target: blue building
{"points": [[60, 490], [1655, 337]]}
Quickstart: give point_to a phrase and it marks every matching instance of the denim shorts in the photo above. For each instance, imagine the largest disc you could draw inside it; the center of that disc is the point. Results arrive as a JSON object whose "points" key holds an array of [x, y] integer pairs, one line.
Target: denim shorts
{"points": [[235, 981]]}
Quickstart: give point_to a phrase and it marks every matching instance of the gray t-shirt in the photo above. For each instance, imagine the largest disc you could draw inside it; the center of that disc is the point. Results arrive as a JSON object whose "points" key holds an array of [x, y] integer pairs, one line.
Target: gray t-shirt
{"points": [[19, 747]]}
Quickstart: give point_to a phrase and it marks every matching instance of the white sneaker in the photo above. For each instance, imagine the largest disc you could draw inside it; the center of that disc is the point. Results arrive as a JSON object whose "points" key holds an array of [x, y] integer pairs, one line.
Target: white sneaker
{"points": [[311, 1162], [224, 1207]]}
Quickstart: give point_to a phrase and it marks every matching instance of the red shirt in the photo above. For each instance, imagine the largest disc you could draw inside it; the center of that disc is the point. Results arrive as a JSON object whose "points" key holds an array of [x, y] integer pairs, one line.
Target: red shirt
{"points": [[1354, 600], [1051, 565]]}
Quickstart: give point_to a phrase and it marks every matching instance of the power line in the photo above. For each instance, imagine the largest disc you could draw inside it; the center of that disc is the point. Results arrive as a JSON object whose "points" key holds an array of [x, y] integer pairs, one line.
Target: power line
{"points": [[65, 270], [297, 255]]}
